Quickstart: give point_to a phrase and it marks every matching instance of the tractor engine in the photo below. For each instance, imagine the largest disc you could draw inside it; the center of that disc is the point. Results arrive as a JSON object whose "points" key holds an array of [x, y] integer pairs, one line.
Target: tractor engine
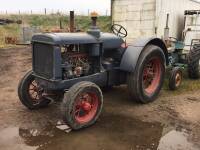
{"points": [[75, 62]]}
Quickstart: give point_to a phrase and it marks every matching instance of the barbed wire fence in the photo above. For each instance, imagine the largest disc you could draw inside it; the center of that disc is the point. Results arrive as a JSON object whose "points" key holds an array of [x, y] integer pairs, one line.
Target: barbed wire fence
{"points": [[46, 11], [26, 31]]}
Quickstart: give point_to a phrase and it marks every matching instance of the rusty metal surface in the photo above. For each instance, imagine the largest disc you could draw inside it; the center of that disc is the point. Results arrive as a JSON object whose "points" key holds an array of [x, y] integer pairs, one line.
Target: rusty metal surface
{"points": [[8, 21], [11, 40]]}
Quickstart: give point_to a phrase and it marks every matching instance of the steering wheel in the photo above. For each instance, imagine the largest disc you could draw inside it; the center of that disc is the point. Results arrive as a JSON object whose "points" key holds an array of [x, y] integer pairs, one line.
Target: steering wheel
{"points": [[119, 30]]}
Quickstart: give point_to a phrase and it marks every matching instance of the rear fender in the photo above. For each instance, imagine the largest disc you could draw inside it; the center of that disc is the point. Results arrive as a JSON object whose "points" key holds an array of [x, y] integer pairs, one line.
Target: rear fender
{"points": [[133, 52]]}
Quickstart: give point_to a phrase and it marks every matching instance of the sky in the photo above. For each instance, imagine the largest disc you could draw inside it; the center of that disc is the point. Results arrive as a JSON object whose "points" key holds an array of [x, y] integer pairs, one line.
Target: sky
{"points": [[80, 6]]}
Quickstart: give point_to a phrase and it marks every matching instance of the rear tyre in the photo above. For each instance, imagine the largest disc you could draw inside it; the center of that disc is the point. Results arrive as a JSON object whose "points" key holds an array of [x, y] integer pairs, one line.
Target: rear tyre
{"points": [[175, 78], [30, 93], [193, 62], [145, 83], [82, 105], [194, 70]]}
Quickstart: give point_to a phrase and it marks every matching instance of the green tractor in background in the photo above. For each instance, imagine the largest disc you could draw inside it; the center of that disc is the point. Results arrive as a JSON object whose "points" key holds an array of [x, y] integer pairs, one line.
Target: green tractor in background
{"points": [[186, 53]]}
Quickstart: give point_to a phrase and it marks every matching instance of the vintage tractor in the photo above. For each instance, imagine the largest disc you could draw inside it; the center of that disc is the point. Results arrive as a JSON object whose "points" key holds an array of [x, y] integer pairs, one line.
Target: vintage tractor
{"points": [[184, 54], [73, 66]]}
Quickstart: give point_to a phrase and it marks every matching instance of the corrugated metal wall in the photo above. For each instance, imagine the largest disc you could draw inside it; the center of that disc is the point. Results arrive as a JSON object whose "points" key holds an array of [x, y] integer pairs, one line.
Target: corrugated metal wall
{"points": [[144, 18]]}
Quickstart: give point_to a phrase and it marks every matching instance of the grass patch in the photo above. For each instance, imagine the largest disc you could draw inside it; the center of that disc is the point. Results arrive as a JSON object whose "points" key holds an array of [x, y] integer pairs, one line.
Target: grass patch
{"points": [[187, 85]]}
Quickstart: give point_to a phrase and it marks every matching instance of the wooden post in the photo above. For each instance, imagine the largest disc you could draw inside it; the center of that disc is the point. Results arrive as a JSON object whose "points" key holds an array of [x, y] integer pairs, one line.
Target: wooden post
{"points": [[71, 21], [61, 23]]}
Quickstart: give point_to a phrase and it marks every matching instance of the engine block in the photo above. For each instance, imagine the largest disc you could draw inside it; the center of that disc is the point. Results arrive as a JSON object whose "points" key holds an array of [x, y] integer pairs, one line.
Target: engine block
{"points": [[76, 64]]}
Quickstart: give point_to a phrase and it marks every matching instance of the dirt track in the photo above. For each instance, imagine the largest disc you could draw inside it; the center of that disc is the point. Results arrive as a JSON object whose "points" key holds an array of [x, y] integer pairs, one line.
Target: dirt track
{"points": [[171, 122]]}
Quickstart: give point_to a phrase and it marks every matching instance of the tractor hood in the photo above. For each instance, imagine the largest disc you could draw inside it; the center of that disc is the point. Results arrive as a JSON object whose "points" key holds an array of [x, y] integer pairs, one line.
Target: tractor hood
{"points": [[109, 40]]}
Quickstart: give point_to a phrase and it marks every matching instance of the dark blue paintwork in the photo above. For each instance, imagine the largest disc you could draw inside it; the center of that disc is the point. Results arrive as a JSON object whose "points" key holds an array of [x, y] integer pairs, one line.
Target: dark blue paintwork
{"points": [[109, 40], [132, 53]]}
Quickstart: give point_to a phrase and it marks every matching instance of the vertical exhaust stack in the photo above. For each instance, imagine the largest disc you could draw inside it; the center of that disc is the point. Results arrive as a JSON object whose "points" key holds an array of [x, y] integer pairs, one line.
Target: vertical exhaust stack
{"points": [[166, 30], [94, 30], [94, 16]]}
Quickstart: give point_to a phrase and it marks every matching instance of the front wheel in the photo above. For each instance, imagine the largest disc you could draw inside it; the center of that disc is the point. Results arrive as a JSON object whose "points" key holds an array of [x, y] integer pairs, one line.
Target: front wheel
{"points": [[145, 83], [175, 78], [82, 105], [30, 93]]}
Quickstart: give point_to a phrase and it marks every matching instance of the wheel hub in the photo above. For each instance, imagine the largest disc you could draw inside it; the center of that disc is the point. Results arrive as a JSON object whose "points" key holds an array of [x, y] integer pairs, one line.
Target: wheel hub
{"points": [[86, 107], [178, 79], [152, 75]]}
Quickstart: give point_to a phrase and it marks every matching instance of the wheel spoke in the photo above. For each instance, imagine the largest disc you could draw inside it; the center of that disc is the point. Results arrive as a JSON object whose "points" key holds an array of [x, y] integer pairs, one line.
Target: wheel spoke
{"points": [[34, 84], [35, 97], [77, 111], [32, 92]]}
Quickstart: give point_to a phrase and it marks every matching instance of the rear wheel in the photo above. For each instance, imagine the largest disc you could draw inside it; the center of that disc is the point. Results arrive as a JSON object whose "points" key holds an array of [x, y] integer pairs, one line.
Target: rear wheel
{"points": [[194, 70], [82, 105], [193, 62], [30, 93], [145, 83]]}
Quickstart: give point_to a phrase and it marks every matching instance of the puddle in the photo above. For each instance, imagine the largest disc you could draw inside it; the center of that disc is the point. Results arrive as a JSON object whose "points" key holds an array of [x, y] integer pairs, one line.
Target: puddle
{"points": [[10, 140], [176, 140], [111, 132]]}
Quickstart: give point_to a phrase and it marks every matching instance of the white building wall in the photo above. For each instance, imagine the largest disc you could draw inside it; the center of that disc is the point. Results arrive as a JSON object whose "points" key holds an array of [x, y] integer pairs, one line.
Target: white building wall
{"points": [[144, 18], [137, 16], [176, 9]]}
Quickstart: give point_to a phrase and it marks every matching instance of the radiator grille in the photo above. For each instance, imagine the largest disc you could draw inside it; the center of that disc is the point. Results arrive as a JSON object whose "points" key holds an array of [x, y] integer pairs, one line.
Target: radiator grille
{"points": [[43, 60]]}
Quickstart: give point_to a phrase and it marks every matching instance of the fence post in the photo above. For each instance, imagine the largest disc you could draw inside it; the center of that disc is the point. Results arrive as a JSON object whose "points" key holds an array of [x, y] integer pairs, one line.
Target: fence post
{"points": [[71, 21], [61, 23]]}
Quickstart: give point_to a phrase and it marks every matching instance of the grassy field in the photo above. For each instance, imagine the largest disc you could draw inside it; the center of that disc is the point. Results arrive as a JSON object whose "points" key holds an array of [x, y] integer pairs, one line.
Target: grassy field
{"points": [[46, 23]]}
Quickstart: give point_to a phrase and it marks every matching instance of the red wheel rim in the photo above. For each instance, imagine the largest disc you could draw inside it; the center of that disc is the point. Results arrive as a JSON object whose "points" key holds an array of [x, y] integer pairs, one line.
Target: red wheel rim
{"points": [[152, 75], [34, 92], [86, 106], [178, 79]]}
